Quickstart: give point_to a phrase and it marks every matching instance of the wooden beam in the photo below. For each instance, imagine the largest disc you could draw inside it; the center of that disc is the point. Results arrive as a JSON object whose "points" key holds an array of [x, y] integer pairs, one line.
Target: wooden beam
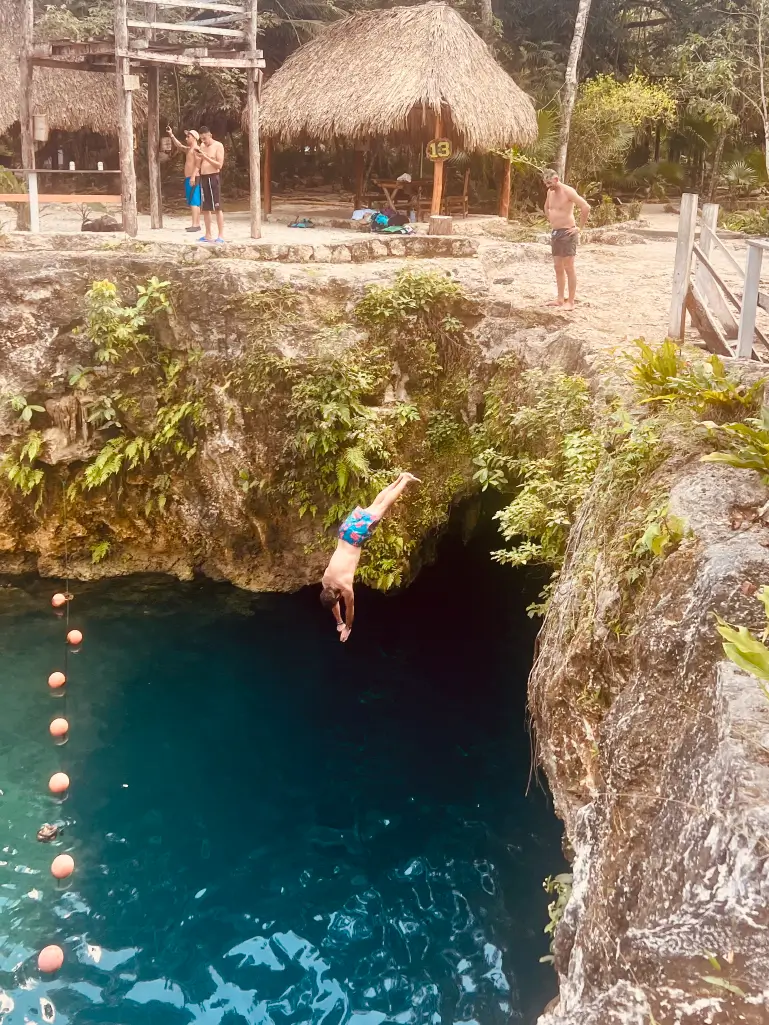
{"points": [[183, 60], [226, 8], [187, 26], [687, 223], [25, 97], [64, 197], [267, 174], [711, 233], [153, 147], [435, 207], [64, 47], [153, 131], [125, 122], [708, 266], [47, 62], [750, 301], [707, 282], [504, 194], [705, 323], [252, 82], [360, 174]]}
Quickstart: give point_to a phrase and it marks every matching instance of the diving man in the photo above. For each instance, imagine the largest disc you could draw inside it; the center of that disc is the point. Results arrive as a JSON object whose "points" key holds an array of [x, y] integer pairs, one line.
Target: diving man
{"points": [[338, 579]]}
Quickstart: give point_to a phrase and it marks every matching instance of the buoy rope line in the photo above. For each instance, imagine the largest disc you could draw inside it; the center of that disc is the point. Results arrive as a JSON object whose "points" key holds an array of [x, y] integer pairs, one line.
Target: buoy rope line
{"points": [[51, 958]]}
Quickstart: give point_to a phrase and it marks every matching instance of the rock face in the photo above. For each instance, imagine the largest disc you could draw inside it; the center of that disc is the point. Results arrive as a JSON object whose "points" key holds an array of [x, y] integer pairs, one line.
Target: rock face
{"points": [[666, 803], [216, 527]]}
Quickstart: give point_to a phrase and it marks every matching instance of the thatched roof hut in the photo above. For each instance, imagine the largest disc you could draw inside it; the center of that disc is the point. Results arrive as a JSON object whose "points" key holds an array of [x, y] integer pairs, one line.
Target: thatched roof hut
{"points": [[390, 73], [73, 100]]}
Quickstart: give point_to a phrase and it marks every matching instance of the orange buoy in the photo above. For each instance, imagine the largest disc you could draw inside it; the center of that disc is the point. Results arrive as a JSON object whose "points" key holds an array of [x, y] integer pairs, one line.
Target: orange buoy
{"points": [[62, 866], [56, 680], [50, 959], [59, 728], [74, 637], [58, 600], [58, 783]]}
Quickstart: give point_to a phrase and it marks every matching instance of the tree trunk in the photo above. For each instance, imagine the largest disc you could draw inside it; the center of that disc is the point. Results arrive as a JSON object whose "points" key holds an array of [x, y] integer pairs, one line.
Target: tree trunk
{"points": [[766, 145], [487, 22], [716, 166], [570, 84]]}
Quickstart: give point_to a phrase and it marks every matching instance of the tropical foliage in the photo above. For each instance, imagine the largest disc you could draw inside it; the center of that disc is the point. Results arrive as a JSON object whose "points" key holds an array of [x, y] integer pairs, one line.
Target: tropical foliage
{"points": [[671, 95]]}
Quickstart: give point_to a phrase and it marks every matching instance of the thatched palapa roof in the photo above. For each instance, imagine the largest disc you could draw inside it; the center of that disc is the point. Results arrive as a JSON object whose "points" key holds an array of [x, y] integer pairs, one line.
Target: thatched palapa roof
{"points": [[388, 73], [71, 99]]}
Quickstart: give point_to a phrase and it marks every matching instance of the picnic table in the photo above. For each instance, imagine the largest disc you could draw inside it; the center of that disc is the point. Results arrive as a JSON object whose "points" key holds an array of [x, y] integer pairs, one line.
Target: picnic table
{"points": [[391, 187]]}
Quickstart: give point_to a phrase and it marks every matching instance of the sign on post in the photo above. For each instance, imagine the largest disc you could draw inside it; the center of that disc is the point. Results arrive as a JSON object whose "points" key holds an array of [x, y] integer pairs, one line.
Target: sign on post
{"points": [[438, 149]]}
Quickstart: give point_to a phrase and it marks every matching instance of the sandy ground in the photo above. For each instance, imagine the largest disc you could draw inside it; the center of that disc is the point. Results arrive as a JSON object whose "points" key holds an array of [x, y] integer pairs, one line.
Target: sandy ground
{"points": [[624, 291]]}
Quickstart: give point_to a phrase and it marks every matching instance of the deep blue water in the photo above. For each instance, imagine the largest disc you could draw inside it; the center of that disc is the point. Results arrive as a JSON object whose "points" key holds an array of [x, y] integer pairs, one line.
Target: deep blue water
{"points": [[269, 826]]}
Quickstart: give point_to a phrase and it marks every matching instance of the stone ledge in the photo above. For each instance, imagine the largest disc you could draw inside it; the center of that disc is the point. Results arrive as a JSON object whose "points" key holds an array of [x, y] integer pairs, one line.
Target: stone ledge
{"points": [[355, 251]]}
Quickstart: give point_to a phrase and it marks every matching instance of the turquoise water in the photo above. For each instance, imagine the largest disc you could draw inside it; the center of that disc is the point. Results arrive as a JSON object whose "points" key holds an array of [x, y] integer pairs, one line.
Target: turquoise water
{"points": [[269, 826]]}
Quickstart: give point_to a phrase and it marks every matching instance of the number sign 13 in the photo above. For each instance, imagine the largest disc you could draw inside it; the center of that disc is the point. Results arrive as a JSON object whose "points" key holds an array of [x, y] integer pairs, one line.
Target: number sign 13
{"points": [[439, 149]]}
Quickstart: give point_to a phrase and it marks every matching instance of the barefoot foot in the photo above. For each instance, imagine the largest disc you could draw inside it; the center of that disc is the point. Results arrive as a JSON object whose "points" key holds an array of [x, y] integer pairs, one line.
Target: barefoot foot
{"points": [[555, 302]]}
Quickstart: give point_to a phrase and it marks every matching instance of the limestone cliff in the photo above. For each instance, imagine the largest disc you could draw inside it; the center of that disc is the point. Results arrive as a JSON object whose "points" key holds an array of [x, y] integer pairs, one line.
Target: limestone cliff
{"points": [[231, 506], [665, 792]]}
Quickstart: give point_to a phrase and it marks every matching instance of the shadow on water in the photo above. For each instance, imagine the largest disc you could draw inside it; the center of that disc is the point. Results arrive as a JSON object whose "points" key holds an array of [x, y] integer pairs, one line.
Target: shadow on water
{"points": [[272, 827]]}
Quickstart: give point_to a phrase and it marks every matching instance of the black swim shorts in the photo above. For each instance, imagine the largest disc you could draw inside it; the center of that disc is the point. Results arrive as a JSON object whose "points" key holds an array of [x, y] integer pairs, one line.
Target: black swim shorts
{"points": [[563, 241], [210, 192]]}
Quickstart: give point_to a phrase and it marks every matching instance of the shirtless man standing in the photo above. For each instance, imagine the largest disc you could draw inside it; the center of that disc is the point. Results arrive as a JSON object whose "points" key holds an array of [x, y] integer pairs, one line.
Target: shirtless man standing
{"points": [[191, 160], [559, 210], [340, 572], [211, 163]]}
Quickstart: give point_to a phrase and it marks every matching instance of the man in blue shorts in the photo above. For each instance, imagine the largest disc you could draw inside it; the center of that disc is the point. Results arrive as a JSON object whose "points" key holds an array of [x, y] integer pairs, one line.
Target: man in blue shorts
{"points": [[191, 150], [340, 572]]}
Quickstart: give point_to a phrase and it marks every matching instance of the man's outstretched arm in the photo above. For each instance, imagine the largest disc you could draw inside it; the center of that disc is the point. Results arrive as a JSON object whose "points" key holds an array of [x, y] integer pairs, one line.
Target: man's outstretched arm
{"points": [[175, 141]]}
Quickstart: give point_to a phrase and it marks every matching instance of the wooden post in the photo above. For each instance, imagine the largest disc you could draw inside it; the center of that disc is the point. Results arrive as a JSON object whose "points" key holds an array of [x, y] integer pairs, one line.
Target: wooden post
{"points": [[750, 300], [687, 223], [267, 171], [34, 204], [125, 125], [153, 131], [504, 195], [441, 225], [252, 78], [25, 103], [153, 146], [435, 208], [704, 282], [360, 173]]}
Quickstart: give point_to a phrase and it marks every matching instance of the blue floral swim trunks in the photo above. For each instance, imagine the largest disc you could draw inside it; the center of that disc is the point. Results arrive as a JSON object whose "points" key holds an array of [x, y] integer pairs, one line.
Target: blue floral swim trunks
{"points": [[357, 527]]}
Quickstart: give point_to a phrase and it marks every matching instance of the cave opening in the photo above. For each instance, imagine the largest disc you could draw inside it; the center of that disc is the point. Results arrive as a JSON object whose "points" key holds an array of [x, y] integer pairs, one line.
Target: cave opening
{"points": [[269, 826]]}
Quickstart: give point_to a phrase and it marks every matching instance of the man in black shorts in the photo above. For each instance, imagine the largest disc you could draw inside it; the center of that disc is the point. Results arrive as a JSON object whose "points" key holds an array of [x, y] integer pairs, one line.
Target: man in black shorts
{"points": [[211, 163], [559, 209]]}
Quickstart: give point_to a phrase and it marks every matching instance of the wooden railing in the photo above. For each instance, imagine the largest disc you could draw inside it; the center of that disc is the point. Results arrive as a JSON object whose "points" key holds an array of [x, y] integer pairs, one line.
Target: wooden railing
{"points": [[724, 316], [35, 198]]}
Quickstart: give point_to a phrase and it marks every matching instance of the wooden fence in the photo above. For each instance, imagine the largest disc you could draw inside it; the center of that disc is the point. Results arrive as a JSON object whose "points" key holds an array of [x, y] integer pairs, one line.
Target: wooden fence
{"points": [[724, 316], [35, 198]]}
